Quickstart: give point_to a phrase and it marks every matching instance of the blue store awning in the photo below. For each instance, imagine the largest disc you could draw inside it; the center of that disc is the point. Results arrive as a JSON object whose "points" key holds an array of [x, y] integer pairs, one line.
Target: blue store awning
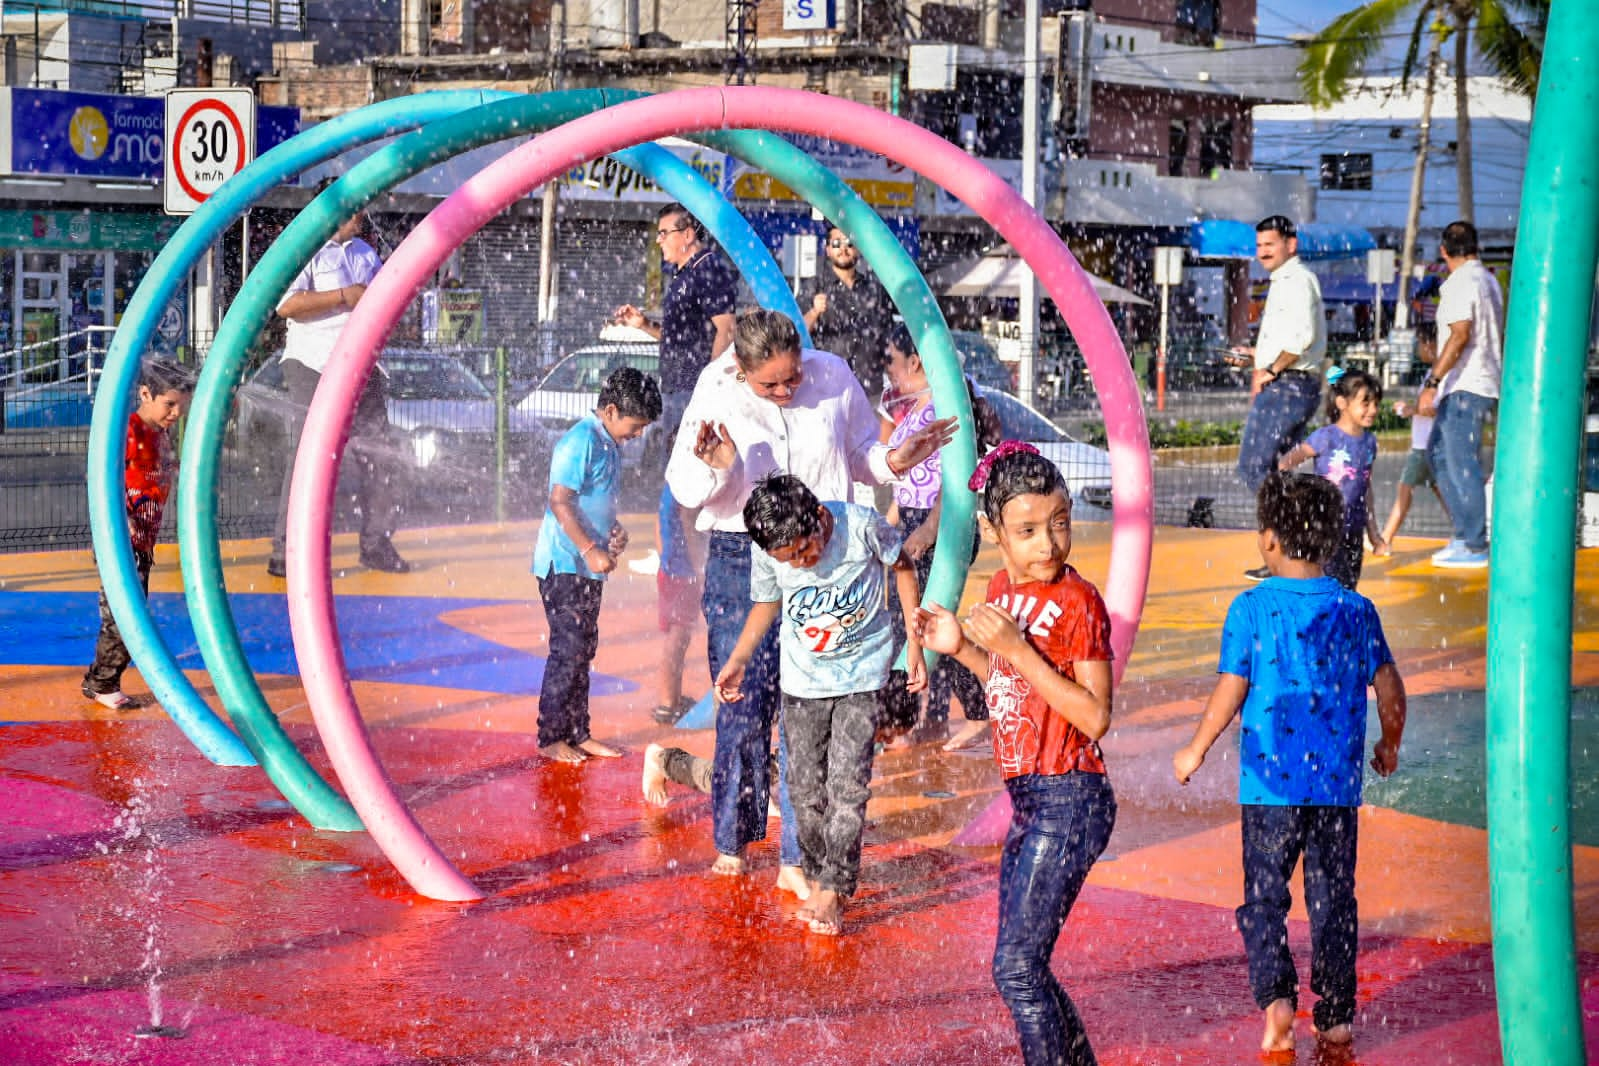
{"points": [[1225, 238]]}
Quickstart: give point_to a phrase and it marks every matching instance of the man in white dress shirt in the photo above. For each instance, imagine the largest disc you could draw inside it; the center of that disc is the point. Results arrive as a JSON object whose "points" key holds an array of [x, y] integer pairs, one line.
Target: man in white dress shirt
{"points": [[1285, 388], [317, 306]]}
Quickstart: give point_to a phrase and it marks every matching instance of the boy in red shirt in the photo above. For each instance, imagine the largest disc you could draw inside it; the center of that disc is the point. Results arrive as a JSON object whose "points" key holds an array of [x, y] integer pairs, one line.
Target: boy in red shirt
{"points": [[151, 468]]}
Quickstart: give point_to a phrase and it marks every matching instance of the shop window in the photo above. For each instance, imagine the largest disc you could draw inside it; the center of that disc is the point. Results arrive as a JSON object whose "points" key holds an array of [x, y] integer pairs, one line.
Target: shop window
{"points": [[1177, 148], [1216, 146], [1198, 21], [1346, 170]]}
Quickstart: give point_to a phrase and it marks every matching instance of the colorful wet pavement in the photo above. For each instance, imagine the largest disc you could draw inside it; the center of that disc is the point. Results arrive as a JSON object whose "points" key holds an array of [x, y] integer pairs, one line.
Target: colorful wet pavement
{"points": [[140, 886]]}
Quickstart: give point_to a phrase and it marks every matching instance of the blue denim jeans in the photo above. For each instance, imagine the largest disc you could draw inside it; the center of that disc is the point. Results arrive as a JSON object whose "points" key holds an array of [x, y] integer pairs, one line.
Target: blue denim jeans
{"points": [[1274, 838], [1060, 826], [1455, 451], [572, 609], [1277, 421], [739, 781]]}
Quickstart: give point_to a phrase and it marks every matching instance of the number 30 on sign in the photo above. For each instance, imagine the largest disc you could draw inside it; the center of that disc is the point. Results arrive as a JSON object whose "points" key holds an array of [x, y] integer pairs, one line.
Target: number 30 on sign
{"points": [[210, 136]]}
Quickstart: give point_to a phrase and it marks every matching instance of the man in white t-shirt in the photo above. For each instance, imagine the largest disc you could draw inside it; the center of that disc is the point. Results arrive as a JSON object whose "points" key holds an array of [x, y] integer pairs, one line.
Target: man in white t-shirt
{"points": [[1464, 387], [1285, 388], [317, 306]]}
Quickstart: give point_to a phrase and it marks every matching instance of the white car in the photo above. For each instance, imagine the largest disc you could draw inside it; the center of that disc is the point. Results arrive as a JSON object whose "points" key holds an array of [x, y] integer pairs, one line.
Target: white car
{"points": [[571, 388], [1085, 467]]}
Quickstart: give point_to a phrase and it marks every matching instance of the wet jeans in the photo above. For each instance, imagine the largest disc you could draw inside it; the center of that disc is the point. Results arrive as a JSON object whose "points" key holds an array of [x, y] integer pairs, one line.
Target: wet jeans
{"points": [[572, 609], [1277, 420], [111, 656], [1274, 837], [1455, 451], [830, 748], [1060, 826], [739, 778]]}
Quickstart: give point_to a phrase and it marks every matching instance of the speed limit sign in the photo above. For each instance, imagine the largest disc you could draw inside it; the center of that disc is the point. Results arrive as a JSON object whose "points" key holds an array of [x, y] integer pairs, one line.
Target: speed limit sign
{"points": [[210, 136]]}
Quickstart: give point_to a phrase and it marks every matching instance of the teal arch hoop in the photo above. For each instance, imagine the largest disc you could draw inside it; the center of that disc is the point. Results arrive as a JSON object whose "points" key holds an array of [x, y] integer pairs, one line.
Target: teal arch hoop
{"points": [[215, 629]]}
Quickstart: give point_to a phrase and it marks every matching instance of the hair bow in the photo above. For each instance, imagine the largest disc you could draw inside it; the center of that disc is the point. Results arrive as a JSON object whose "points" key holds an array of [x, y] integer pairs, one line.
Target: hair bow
{"points": [[1334, 373], [979, 476]]}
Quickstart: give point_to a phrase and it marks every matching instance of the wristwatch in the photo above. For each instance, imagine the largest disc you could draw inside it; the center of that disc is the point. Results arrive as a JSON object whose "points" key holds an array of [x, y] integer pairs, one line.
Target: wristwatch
{"points": [[1430, 382]]}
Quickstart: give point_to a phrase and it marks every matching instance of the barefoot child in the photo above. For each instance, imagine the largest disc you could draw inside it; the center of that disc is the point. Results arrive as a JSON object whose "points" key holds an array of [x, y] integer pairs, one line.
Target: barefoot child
{"points": [[578, 543], [821, 567], [151, 467], [1418, 468], [1041, 641], [1297, 653], [1344, 451]]}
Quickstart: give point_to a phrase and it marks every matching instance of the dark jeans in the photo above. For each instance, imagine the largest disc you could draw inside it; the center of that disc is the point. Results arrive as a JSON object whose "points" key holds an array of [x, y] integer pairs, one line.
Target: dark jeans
{"points": [[830, 746], [1274, 837], [1059, 827], [949, 677], [1455, 451], [739, 778], [378, 496], [110, 654], [1277, 421], [572, 609]]}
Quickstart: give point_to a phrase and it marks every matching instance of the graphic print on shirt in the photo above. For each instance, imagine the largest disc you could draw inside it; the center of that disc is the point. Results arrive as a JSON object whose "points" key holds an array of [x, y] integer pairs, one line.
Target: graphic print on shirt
{"points": [[827, 618], [1340, 467], [1018, 739]]}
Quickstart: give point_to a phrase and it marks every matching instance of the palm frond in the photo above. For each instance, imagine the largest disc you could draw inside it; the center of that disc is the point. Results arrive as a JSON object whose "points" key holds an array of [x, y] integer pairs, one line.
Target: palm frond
{"points": [[1339, 52], [1513, 53]]}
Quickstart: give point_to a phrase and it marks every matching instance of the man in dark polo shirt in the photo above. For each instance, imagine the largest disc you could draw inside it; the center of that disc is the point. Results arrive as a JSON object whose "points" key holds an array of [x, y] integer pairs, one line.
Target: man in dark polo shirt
{"points": [[848, 312], [696, 310]]}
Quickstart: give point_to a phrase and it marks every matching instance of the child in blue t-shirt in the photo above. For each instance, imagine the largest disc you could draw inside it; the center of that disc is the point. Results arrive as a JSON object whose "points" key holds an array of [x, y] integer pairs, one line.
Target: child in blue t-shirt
{"points": [[578, 544], [820, 568], [1298, 652], [1344, 451]]}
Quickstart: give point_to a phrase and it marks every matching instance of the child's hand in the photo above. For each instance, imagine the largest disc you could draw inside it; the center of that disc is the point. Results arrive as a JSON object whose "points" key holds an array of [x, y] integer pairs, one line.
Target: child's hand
{"points": [[599, 560], [915, 668], [920, 542], [937, 628], [729, 681], [618, 541], [1381, 548], [995, 630], [1185, 762], [1385, 758], [1403, 409]]}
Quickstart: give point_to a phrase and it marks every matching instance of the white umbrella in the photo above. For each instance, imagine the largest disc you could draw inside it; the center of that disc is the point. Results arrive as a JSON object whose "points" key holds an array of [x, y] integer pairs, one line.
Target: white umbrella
{"points": [[1000, 277]]}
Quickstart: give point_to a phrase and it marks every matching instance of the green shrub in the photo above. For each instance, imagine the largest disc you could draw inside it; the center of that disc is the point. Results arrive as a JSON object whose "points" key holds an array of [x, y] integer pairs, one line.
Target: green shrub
{"points": [[1179, 434]]}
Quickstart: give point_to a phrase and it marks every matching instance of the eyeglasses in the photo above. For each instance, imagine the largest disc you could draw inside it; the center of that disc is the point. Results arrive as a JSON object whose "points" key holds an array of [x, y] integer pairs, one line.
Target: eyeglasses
{"points": [[842, 242], [662, 234]]}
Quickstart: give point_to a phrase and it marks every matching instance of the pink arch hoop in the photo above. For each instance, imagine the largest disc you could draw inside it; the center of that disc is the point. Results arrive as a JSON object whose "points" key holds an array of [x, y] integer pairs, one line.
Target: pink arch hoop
{"points": [[311, 614]]}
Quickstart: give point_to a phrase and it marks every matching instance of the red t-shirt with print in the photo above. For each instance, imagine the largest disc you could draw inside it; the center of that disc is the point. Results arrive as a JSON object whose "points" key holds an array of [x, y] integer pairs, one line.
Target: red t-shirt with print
{"points": [[1065, 621], [148, 476]]}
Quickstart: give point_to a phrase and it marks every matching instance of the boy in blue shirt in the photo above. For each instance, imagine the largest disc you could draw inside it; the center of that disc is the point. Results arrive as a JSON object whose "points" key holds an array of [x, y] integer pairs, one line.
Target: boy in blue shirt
{"points": [[820, 567], [1297, 654], [578, 544]]}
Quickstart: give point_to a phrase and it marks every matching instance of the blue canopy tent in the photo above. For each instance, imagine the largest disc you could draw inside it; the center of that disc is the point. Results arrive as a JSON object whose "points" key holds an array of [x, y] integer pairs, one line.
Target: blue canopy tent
{"points": [[1223, 238]]}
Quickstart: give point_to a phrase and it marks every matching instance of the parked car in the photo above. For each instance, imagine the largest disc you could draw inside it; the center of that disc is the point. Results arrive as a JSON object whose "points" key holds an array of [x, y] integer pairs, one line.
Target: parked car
{"points": [[1085, 467], [980, 361], [441, 419], [571, 389]]}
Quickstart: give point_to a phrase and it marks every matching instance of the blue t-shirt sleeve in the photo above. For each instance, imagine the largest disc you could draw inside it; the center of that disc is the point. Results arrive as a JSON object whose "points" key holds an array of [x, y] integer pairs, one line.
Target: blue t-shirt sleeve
{"points": [[569, 464], [1321, 440], [720, 298], [1237, 640], [1377, 653], [763, 577], [884, 540]]}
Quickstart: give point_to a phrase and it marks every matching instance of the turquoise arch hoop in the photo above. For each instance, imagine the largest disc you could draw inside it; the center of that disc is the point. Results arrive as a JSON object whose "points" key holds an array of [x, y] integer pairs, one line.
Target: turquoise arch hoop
{"points": [[393, 827]]}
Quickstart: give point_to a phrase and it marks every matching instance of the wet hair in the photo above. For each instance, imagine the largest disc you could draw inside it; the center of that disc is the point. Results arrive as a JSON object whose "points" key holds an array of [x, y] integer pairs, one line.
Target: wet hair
{"points": [[1020, 473], [781, 510], [1306, 511], [1282, 225], [1460, 239], [635, 393], [162, 375], [675, 208], [761, 334], [985, 419], [1349, 385]]}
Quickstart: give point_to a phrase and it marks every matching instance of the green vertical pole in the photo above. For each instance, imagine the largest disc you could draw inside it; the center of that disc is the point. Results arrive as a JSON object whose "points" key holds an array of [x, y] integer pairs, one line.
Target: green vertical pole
{"points": [[501, 429], [1532, 573]]}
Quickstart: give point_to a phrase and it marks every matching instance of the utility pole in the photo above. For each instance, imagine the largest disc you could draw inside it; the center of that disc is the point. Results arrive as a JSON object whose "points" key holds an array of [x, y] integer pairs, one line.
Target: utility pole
{"points": [[741, 42], [1407, 251], [1027, 316], [547, 289]]}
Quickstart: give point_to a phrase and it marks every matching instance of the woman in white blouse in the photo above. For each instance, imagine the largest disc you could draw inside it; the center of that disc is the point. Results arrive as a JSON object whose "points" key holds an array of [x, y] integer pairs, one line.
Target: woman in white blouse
{"points": [[768, 406]]}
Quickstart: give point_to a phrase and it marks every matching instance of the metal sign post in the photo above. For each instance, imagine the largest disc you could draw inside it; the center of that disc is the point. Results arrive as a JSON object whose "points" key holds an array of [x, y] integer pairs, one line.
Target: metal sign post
{"points": [[1168, 272]]}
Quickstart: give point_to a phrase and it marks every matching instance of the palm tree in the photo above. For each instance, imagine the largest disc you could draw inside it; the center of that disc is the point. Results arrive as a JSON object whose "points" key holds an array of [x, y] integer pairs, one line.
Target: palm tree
{"points": [[1509, 38]]}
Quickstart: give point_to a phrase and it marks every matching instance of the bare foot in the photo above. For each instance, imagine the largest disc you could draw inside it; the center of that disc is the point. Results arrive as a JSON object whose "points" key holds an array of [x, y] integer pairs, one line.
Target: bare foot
{"points": [[792, 879], [1279, 1034], [602, 751], [728, 865], [655, 776], [561, 751], [1338, 1034], [827, 913], [967, 736]]}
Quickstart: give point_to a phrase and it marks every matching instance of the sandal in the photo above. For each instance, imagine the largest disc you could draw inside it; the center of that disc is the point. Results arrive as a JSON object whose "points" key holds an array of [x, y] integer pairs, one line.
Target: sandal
{"points": [[671, 715], [116, 701]]}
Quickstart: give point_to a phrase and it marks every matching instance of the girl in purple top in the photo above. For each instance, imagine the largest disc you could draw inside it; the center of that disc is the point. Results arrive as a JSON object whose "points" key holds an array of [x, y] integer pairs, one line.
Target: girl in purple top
{"points": [[1344, 452], [909, 403]]}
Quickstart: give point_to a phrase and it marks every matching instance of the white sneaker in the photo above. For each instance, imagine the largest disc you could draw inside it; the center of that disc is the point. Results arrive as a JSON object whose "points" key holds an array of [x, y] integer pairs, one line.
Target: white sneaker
{"points": [[1460, 557]]}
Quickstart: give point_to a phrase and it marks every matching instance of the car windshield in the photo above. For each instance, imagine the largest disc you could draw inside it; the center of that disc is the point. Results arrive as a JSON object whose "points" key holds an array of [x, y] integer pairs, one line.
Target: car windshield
{"points": [[1019, 422], [421, 377], [586, 371], [970, 345]]}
